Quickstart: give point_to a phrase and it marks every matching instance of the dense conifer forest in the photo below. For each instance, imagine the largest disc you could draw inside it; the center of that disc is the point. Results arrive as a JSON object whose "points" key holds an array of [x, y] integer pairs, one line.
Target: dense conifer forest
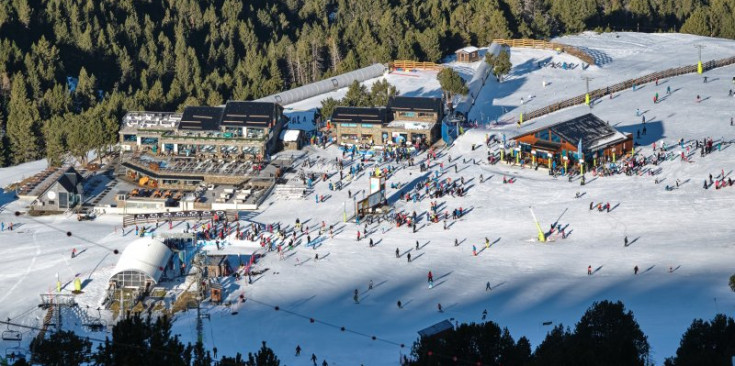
{"points": [[166, 54]]}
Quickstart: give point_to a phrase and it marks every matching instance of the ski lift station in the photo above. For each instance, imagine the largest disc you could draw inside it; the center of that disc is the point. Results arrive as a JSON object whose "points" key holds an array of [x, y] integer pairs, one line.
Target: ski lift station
{"points": [[141, 264]]}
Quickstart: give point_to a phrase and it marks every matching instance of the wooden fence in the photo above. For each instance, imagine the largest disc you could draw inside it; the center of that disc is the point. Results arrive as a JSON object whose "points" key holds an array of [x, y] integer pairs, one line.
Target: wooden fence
{"points": [[534, 43], [408, 65], [599, 93]]}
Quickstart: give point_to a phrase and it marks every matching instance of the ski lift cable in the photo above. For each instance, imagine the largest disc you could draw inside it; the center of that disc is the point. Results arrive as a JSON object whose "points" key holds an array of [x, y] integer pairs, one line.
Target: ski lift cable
{"points": [[455, 359], [68, 233]]}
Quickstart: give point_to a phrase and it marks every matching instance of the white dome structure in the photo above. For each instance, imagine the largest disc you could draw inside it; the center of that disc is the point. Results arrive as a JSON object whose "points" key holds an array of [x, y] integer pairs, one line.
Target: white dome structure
{"points": [[141, 264]]}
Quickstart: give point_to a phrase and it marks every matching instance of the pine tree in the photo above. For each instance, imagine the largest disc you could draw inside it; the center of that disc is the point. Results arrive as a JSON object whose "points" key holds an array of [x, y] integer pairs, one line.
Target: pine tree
{"points": [[3, 142], [381, 92], [451, 83], [60, 349], [264, 357], [356, 96], [502, 64], [54, 133], [698, 22], [327, 108], [706, 343], [23, 123], [23, 11], [608, 335]]}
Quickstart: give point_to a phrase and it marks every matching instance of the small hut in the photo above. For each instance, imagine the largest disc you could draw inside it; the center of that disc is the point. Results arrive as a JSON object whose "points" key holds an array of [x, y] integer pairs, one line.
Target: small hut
{"points": [[468, 54], [217, 266], [293, 139]]}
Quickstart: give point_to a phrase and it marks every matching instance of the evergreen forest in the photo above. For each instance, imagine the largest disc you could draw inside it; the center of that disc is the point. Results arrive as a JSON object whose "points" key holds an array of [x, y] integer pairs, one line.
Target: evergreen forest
{"points": [[70, 69]]}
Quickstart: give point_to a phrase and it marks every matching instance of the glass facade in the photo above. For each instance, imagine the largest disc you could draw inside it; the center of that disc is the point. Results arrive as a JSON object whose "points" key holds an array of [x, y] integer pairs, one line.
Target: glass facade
{"points": [[130, 279]]}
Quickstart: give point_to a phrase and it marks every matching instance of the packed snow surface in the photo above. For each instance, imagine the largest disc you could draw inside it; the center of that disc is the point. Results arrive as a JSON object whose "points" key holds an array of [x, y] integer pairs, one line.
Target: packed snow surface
{"points": [[681, 239]]}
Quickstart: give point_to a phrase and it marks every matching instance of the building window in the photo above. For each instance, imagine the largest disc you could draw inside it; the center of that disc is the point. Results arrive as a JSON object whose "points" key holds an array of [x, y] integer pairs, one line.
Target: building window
{"points": [[367, 125], [63, 200], [555, 138], [543, 135], [349, 124], [255, 133]]}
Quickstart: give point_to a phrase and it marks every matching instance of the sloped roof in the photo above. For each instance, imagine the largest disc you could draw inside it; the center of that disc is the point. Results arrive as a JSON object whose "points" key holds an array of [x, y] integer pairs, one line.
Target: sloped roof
{"points": [[468, 49], [291, 135], [589, 128], [71, 181], [251, 114], [366, 115], [148, 256], [416, 104], [201, 118]]}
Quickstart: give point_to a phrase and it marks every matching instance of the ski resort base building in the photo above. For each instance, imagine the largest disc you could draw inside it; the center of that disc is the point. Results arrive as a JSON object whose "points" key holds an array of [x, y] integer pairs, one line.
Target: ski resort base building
{"points": [[405, 121], [558, 144], [246, 130]]}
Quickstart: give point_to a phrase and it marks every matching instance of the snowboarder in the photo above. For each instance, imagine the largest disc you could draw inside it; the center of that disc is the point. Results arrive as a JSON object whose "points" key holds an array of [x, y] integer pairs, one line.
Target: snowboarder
{"points": [[313, 359], [398, 254], [355, 297], [298, 350], [316, 257], [592, 204], [417, 245], [439, 306], [487, 243], [456, 242], [370, 285], [400, 306], [484, 314], [371, 242], [589, 270], [488, 287], [635, 270], [626, 241], [474, 250], [409, 257], [73, 253]]}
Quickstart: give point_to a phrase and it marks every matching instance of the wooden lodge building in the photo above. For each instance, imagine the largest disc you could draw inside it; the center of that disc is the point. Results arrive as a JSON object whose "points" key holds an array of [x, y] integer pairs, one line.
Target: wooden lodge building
{"points": [[559, 142], [406, 120]]}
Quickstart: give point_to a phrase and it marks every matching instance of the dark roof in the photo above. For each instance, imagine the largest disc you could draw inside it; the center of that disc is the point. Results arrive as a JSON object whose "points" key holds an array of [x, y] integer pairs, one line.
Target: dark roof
{"points": [[437, 328], [416, 104], [360, 115], [588, 127], [201, 118], [71, 181], [252, 114]]}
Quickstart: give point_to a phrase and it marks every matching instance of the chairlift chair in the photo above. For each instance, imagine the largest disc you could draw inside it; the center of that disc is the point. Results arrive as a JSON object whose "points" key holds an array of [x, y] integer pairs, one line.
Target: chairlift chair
{"points": [[11, 335]]}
